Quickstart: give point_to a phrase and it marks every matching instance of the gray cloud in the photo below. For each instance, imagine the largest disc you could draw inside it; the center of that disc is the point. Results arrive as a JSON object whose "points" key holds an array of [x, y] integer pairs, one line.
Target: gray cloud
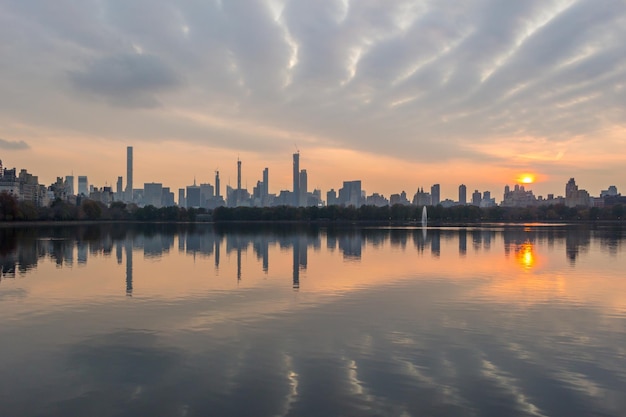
{"points": [[130, 79], [411, 80], [13, 145]]}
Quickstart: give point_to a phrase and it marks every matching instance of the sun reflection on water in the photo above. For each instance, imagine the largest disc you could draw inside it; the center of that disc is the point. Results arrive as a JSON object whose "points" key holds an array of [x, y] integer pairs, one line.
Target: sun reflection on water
{"points": [[524, 255]]}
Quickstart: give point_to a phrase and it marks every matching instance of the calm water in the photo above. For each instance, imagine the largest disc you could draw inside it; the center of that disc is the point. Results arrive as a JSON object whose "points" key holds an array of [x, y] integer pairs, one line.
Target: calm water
{"points": [[192, 321]]}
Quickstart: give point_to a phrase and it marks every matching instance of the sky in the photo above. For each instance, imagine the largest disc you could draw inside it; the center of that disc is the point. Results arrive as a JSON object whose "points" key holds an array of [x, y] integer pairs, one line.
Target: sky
{"points": [[399, 94]]}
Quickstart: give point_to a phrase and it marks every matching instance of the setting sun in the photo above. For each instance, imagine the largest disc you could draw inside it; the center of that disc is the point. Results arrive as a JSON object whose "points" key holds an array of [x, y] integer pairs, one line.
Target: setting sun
{"points": [[527, 179]]}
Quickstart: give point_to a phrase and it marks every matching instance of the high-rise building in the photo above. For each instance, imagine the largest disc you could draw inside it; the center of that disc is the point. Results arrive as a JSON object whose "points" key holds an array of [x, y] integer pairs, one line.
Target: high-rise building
{"points": [[350, 194], [181, 198], [83, 185], [153, 194], [217, 184], [462, 194], [435, 194], [296, 179], [303, 188], [129, 173], [331, 197], [476, 198], [206, 194], [167, 198], [422, 198], [193, 195], [119, 188], [69, 184], [238, 174], [266, 187], [575, 197]]}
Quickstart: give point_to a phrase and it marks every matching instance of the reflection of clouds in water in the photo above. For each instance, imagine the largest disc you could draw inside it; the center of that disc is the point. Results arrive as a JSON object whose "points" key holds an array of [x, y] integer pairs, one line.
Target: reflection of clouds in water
{"points": [[509, 385], [405, 347], [300, 363], [13, 294]]}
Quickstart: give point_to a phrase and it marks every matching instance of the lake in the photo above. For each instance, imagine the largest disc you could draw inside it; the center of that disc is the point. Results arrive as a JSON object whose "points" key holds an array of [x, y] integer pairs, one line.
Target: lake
{"points": [[200, 320]]}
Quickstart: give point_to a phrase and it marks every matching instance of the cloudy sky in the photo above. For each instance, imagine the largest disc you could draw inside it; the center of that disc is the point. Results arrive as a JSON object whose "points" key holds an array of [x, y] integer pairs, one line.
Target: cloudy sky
{"points": [[400, 94]]}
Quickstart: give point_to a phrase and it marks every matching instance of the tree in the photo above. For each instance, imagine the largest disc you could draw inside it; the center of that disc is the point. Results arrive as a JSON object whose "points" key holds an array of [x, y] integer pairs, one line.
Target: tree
{"points": [[92, 209], [8, 207]]}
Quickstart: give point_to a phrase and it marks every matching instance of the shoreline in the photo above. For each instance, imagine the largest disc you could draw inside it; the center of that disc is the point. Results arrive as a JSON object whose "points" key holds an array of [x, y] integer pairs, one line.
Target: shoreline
{"points": [[320, 222]]}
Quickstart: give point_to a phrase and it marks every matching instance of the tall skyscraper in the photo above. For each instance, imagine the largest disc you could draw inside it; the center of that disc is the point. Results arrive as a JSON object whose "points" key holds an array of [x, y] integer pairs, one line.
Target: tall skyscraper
{"points": [[435, 194], [118, 189], [181, 198], [69, 183], [83, 185], [266, 178], [129, 173], [217, 184], [296, 179], [192, 198], [238, 174], [462, 194], [303, 187]]}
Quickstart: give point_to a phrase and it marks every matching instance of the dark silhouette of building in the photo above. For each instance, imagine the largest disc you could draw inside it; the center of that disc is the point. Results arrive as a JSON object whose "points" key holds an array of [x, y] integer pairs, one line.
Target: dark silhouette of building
{"points": [[129, 173], [462, 194], [296, 179]]}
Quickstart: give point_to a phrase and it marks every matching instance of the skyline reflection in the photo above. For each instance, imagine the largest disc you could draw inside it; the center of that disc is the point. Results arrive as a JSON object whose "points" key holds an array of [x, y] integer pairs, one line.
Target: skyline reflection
{"points": [[22, 249], [307, 321]]}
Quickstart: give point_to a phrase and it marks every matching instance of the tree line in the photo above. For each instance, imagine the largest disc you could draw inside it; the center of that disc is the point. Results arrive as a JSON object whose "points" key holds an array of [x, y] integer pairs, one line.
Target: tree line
{"points": [[13, 210], [404, 213]]}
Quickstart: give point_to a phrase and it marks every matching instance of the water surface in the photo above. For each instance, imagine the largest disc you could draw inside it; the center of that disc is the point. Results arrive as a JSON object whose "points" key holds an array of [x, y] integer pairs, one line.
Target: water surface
{"points": [[174, 320]]}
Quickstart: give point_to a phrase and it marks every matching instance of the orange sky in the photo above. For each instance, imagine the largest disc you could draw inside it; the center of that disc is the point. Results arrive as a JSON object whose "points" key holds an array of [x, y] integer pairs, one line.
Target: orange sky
{"points": [[400, 95]]}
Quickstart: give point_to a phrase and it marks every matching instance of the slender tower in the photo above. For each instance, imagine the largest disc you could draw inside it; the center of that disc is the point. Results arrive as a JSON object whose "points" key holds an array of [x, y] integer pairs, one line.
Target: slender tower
{"points": [[217, 184], [303, 187], [296, 179], [238, 174], [129, 173], [266, 178]]}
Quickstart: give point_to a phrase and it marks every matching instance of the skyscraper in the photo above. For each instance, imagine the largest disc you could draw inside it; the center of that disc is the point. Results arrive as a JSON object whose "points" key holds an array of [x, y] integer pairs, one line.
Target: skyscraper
{"points": [[462, 194], [217, 184], [303, 187], [181, 198], [69, 183], [83, 185], [476, 198], [152, 194], [238, 174], [129, 173], [296, 179], [350, 194], [118, 189], [192, 195], [435, 194], [266, 189]]}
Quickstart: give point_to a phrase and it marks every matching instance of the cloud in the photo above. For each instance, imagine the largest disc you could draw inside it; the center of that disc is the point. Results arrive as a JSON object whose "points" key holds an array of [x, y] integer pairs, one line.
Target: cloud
{"points": [[132, 79], [13, 145], [421, 81]]}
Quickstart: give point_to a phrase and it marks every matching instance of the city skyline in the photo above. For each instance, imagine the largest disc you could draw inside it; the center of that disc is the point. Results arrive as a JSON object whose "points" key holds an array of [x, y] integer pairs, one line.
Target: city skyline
{"points": [[400, 95], [26, 186]]}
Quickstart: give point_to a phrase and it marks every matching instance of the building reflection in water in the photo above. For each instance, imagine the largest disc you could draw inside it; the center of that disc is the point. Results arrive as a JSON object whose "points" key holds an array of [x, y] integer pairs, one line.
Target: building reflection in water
{"points": [[296, 264], [462, 242], [128, 246], [435, 242], [21, 249]]}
